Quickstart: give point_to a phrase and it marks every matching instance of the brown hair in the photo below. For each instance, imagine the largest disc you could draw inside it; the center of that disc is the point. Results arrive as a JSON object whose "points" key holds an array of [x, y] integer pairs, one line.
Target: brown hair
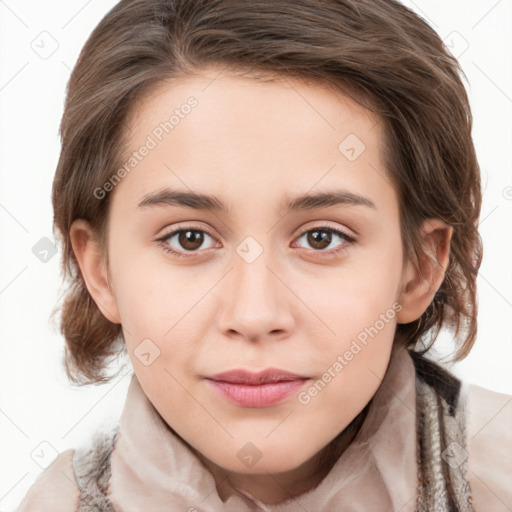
{"points": [[378, 51]]}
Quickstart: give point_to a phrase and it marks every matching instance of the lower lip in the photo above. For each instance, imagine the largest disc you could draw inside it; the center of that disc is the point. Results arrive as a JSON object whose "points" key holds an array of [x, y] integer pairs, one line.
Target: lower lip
{"points": [[263, 395]]}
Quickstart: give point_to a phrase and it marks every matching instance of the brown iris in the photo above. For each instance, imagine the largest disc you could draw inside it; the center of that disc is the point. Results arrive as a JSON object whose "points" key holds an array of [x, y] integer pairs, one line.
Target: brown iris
{"points": [[191, 239], [319, 238]]}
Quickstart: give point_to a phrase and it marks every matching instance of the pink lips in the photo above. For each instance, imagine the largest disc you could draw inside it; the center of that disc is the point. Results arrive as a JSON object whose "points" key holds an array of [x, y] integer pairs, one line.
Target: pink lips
{"points": [[262, 389]]}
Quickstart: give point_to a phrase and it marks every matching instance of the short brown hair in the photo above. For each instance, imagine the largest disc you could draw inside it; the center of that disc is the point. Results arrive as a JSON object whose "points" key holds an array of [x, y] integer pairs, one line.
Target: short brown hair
{"points": [[378, 51]]}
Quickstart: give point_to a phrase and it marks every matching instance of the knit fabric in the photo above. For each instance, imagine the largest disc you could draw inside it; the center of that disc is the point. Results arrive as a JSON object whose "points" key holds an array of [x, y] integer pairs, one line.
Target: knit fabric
{"points": [[443, 484], [442, 452]]}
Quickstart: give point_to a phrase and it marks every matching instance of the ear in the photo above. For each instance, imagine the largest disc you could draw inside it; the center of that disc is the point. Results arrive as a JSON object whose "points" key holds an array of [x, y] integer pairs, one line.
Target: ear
{"points": [[92, 266], [419, 285]]}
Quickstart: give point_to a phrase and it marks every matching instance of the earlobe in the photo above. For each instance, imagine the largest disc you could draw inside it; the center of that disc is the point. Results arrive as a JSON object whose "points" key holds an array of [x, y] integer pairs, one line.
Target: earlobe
{"points": [[91, 262], [422, 281]]}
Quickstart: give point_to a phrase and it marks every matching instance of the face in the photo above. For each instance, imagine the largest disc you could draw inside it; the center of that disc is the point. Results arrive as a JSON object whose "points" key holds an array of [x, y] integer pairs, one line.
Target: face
{"points": [[255, 278]]}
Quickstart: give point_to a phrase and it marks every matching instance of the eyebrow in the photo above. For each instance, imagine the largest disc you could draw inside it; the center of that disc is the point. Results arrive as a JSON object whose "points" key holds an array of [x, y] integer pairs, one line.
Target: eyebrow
{"points": [[309, 201]]}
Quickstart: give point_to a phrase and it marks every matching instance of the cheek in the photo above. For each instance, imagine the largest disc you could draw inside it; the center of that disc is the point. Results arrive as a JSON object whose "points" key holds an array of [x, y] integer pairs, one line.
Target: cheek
{"points": [[148, 294], [353, 299], [360, 308], [158, 318], [353, 369]]}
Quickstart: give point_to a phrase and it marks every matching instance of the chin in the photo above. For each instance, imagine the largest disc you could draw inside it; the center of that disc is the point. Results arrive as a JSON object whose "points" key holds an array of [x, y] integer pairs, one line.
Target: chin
{"points": [[250, 460]]}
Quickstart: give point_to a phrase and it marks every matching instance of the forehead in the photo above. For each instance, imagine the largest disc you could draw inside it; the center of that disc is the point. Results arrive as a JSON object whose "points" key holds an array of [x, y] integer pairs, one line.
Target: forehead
{"points": [[254, 102], [225, 132]]}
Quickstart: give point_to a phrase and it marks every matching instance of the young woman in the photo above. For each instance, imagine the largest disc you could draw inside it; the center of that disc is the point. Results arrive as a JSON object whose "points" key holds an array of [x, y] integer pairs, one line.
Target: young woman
{"points": [[273, 207]]}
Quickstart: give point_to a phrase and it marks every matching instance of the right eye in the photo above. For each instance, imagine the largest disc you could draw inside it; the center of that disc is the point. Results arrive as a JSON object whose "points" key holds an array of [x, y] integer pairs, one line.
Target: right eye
{"points": [[186, 240]]}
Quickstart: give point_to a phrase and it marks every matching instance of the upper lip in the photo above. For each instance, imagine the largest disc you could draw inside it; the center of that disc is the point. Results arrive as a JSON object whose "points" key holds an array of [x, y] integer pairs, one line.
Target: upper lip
{"points": [[240, 376]]}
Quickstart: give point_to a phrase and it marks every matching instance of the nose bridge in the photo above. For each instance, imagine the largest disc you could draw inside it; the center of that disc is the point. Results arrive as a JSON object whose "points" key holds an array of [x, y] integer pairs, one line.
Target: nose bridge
{"points": [[256, 302], [253, 280]]}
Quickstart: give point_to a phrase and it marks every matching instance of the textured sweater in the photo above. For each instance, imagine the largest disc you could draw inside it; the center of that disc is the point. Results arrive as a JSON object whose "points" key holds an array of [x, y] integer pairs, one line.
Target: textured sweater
{"points": [[428, 443]]}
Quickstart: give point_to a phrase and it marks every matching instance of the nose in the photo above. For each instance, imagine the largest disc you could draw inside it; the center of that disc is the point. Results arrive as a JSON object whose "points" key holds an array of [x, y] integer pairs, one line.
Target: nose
{"points": [[256, 302]]}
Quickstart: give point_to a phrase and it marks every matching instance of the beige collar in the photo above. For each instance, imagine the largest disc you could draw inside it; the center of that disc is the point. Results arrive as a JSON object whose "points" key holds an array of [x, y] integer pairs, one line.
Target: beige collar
{"points": [[153, 469]]}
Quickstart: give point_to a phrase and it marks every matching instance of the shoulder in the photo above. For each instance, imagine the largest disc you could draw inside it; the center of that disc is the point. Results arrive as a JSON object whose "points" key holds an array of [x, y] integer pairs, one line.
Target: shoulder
{"points": [[490, 448], [55, 489]]}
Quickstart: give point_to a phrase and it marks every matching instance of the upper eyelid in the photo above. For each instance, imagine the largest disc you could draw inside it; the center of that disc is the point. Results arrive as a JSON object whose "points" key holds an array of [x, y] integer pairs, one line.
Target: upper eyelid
{"points": [[185, 227], [325, 225]]}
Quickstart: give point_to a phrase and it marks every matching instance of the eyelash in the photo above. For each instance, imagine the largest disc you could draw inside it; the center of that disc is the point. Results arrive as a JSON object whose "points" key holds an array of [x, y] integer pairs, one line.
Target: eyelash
{"points": [[349, 240]]}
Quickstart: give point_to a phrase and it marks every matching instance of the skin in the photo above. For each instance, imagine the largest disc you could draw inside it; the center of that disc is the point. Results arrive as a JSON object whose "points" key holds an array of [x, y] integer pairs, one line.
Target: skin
{"points": [[297, 306]]}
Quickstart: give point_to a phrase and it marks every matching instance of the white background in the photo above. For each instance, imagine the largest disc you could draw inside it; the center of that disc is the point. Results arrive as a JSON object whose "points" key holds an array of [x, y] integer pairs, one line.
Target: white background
{"points": [[37, 404]]}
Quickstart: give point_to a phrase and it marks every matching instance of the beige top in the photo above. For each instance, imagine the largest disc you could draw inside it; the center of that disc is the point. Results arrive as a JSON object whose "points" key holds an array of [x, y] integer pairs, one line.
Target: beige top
{"points": [[154, 470]]}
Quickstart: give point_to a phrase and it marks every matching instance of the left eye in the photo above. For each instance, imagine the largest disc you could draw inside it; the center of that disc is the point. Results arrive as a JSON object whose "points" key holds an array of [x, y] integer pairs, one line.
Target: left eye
{"points": [[321, 238]]}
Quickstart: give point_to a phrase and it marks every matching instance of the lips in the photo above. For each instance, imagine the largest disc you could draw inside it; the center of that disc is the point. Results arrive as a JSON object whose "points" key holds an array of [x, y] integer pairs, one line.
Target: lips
{"points": [[248, 378], [263, 389]]}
